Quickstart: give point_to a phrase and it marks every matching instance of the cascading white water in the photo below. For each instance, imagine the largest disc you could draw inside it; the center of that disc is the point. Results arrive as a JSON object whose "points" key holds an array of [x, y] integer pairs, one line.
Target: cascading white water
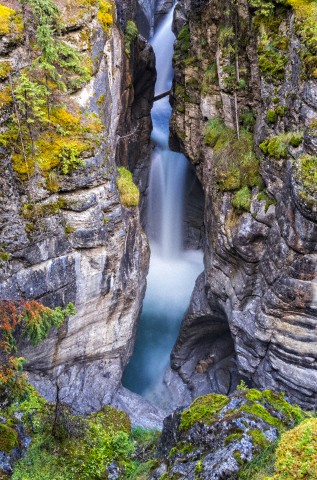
{"points": [[172, 270]]}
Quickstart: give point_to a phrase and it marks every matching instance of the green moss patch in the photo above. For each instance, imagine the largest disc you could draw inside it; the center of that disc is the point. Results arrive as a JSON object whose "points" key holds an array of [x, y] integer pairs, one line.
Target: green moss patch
{"points": [[258, 438], [242, 199], [8, 438], [306, 173], [203, 410], [129, 192], [236, 165], [277, 146]]}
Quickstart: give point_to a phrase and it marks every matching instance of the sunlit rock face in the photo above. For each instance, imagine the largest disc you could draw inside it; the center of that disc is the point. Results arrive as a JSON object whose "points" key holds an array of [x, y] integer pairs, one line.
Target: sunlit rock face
{"points": [[260, 262], [89, 249]]}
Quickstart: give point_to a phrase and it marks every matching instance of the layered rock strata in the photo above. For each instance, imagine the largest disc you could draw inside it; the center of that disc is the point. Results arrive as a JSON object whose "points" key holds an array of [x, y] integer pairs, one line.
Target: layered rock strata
{"points": [[78, 243], [240, 71]]}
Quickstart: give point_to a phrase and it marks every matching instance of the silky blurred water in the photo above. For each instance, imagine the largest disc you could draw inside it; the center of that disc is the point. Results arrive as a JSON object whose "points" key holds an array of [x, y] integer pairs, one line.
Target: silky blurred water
{"points": [[173, 270]]}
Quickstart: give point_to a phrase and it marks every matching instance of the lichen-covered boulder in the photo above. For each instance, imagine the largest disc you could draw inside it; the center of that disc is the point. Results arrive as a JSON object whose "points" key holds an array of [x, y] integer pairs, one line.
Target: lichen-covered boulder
{"points": [[217, 435]]}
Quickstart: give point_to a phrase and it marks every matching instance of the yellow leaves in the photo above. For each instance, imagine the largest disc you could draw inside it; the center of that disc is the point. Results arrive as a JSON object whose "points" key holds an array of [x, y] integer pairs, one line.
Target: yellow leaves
{"points": [[105, 15], [10, 21], [6, 14]]}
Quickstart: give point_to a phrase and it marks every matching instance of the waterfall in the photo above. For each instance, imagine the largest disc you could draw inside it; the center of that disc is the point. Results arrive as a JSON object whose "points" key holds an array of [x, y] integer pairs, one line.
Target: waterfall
{"points": [[173, 270]]}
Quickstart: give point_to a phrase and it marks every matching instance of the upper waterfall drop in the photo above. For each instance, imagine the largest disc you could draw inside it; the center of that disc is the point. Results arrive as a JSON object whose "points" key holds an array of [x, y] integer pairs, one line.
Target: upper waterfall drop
{"points": [[162, 44], [173, 270]]}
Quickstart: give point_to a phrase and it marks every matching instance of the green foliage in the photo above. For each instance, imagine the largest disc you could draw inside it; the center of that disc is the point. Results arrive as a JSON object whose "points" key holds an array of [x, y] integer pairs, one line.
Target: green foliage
{"points": [[4, 257], [203, 410], [183, 39], [233, 437], [296, 454], [248, 120], [8, 438], [33, 210], [306, 29], [82, 447], [236, 165], [242, 199], [22, 319], [263, 7], [35, 136], [5, 68], [129, 192], [258, 438], [216, 131], [70, 159], [182, 45], [264, 402], [37, 327], [210, 78], [271, 116], [277, 146], [131, 34], [306, 173]]}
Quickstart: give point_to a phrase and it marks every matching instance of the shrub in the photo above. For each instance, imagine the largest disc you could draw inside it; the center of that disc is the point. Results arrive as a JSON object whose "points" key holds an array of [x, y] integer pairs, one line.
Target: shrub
{"points": [[84, 446], [296, 454], [24, 319]]}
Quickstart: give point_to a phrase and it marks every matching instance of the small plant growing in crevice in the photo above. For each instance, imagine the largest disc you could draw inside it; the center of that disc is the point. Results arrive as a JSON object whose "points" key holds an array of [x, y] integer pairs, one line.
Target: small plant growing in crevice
{"points": [[129, 192], [131, 34]]}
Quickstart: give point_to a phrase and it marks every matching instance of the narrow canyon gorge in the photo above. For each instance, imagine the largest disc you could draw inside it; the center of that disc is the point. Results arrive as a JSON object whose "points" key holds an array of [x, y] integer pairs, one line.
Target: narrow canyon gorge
{"points": [[159, 176]]}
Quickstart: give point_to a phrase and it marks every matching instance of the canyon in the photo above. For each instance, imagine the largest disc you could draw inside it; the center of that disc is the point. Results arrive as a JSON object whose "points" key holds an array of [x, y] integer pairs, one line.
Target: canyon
{"points": [[246, 119]]}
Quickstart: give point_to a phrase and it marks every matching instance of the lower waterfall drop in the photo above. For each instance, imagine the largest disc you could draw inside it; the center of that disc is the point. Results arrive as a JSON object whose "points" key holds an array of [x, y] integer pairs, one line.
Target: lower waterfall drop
{"points": [[173, 270]]}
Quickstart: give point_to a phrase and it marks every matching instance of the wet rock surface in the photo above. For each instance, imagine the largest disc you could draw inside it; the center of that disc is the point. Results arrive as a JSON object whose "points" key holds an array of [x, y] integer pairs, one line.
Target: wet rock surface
{"points": [[217, 435]]}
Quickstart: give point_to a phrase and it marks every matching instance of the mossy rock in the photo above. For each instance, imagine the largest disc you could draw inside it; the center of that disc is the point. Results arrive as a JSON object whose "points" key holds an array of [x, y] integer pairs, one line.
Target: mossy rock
{"points": [[203, 410], [236, 165], [242, 199], [8, 438], [278, 145]]}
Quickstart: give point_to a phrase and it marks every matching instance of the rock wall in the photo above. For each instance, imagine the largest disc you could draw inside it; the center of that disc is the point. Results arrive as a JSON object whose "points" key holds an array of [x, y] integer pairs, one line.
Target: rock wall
{"points": [[241, 68], [80, 244]]}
